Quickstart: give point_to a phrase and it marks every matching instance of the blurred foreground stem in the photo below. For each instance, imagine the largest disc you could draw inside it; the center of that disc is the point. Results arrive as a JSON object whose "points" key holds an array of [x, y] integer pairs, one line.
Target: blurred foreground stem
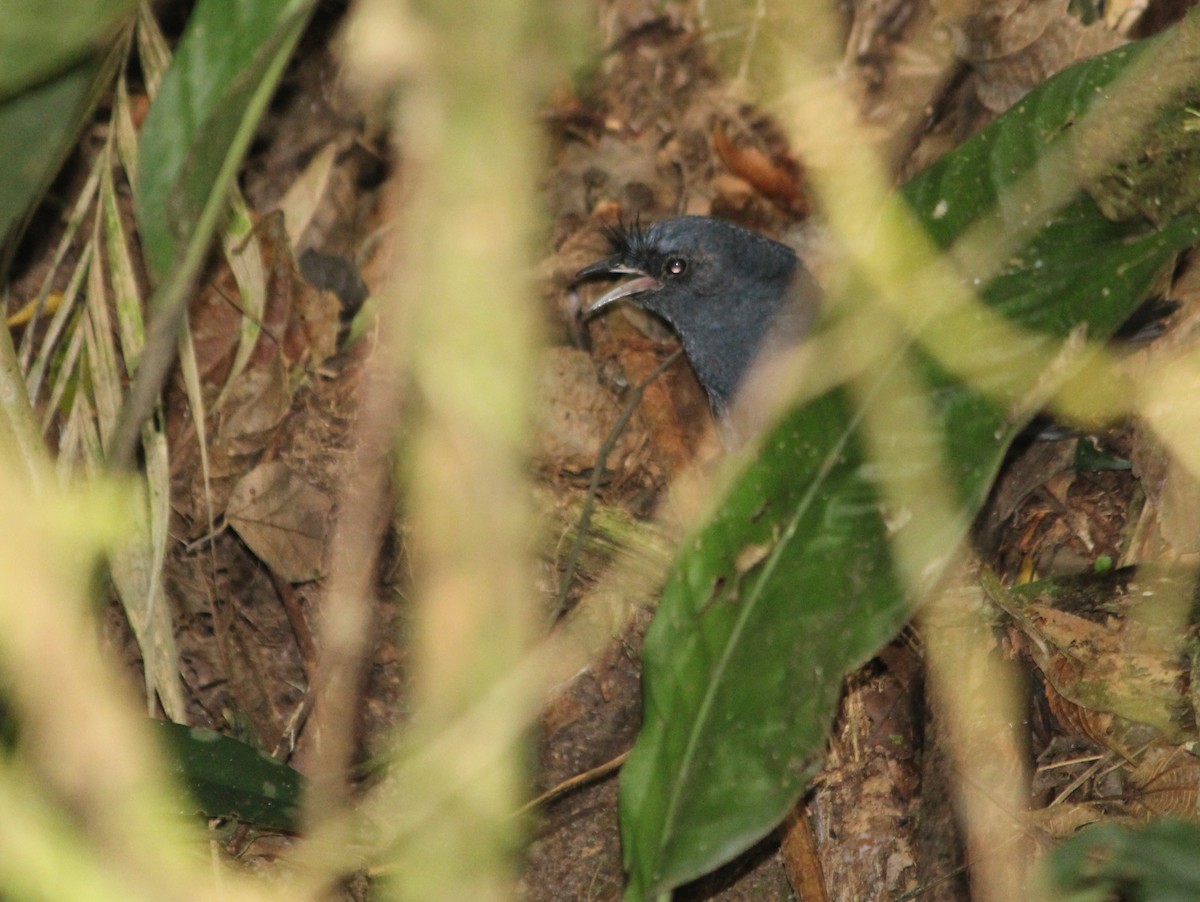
{"points": [[466, 326]]}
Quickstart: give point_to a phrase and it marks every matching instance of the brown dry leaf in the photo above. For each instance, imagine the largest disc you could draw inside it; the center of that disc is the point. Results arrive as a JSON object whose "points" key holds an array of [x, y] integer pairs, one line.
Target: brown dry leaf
{"points": [[218, 317], [1016, 45], [798, 851], [1063, 821], [299, 333], [300, 328], [1005, 27], [312, 333], [216, 324], [1104, 667], [282, 519], [673, 407], [1076, 720], [1121, 677], [1036, 466], [778, 180], [1166, 783], [253, 409], [305, 194], [302, 320]]}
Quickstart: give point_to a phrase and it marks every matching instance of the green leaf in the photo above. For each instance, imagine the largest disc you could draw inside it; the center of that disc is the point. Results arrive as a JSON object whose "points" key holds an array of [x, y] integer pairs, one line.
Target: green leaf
{"points": [[1157, 863], [229, 779], [792, 583], [203, 118], [40, 126], [1089, 456], [54, 62], [199, 127], [44, 104], [40, 39]]}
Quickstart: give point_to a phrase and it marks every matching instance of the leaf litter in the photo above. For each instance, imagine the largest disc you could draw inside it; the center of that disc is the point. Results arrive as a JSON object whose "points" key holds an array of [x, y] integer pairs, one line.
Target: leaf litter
{"points": [[657, 132]]}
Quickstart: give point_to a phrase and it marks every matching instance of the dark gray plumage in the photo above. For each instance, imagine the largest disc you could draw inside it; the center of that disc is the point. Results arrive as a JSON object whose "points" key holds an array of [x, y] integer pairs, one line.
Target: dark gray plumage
{"points": [[727, 292]]}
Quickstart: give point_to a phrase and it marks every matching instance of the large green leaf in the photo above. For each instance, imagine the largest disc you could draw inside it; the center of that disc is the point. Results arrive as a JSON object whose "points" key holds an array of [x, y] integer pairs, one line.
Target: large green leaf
{"points": [[792, 583]]}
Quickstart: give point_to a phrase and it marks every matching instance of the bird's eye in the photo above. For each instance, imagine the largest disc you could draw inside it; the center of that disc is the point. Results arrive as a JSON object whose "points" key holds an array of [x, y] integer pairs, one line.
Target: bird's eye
{"points": [[675, 266]]}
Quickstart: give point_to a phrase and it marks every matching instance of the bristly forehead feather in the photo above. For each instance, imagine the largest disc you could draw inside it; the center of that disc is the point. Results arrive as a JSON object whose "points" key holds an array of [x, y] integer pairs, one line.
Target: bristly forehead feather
{"points": [[628, 240]]}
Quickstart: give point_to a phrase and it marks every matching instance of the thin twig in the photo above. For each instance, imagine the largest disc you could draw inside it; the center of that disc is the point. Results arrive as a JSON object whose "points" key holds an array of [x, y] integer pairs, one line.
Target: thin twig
{"points": [[589, 501], [601, 770]]}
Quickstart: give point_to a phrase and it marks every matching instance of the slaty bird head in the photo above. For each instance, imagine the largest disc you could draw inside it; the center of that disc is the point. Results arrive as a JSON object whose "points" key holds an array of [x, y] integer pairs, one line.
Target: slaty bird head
{"points": [[719, 286]]}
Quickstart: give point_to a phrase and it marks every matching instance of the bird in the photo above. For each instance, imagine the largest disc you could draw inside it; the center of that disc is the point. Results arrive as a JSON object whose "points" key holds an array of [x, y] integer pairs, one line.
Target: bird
{"points": [[730, 294]]}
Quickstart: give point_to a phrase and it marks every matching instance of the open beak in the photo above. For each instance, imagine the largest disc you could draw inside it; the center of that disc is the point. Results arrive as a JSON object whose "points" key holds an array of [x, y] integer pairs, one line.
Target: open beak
{"points": [[613, 267]]}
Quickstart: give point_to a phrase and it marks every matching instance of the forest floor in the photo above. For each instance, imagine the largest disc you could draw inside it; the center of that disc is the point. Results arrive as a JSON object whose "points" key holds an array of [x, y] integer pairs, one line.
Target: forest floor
{"points": [[655, 131]]}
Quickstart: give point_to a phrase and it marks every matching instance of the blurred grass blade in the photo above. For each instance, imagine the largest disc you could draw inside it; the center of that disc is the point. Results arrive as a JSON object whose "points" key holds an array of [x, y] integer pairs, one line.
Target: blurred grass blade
{"points": [[36, 363], [137, 564], [153, 52], [64, 362], [127, 295], [795, 580], [103, 371], [244, 254]]}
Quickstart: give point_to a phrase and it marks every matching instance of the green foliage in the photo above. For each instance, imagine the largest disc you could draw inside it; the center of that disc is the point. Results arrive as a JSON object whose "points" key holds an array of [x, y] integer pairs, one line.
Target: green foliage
{"points": [[204, 116], [54, 62], [793, 582], [1157, 863], [198, 130], [62, 56], [41, 39], [229, 779]]}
